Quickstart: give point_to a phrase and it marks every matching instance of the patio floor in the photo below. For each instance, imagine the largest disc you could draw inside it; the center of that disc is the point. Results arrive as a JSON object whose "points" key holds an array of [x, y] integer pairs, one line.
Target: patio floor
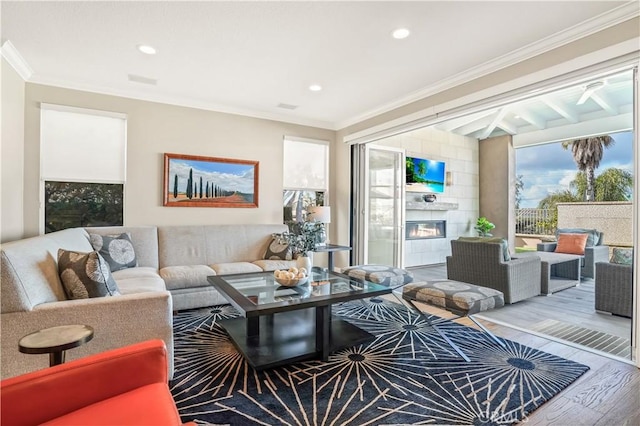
{"points": [[570, 308]]}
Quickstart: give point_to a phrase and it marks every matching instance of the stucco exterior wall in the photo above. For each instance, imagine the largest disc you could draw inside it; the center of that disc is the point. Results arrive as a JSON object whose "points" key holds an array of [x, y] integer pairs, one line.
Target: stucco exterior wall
{"points": [[615, 219], [497, 185]]}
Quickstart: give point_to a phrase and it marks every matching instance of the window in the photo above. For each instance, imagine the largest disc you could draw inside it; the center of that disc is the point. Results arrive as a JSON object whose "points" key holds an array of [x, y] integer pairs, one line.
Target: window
{"points": [[305, 176], [82, 167]]}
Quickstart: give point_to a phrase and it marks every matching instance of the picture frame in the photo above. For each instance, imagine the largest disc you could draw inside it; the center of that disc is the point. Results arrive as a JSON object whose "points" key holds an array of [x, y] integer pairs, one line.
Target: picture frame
{"points": [[197, 181]]}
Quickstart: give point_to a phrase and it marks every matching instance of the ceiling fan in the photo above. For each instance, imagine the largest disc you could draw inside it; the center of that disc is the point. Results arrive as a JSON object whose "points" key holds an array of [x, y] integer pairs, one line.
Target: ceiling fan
{"points": [[589, 89]]}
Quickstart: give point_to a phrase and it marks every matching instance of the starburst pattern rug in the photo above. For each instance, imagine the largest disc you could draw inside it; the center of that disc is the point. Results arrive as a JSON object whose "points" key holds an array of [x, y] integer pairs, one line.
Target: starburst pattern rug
{"points": [[407, 375]]}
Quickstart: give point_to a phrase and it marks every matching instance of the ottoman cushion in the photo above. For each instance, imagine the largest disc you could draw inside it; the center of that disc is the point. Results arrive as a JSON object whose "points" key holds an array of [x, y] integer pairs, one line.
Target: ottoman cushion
{"points": [[380, 274], [455, 296]]}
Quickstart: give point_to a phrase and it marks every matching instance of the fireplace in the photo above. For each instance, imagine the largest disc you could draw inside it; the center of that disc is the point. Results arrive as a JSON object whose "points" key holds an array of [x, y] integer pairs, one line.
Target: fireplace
{"points": [[425, 229]]}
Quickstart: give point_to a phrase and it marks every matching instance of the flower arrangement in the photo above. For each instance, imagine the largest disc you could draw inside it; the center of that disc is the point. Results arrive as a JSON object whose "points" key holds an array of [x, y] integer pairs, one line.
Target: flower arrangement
{"points": [[303, 237]]}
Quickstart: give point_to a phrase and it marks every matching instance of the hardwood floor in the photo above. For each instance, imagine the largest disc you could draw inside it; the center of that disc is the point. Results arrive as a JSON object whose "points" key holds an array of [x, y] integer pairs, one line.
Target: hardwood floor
{"points": [[608, 394]]}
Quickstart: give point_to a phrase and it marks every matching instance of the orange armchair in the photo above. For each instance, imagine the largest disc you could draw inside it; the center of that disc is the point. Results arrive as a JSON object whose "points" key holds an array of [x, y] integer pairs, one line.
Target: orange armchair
{"points": [[125, 386]]}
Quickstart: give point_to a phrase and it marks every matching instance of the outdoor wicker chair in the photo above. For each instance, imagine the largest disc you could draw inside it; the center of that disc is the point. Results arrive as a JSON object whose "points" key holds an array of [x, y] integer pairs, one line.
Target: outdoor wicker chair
{"points": [[614, 288], [484, 264]]}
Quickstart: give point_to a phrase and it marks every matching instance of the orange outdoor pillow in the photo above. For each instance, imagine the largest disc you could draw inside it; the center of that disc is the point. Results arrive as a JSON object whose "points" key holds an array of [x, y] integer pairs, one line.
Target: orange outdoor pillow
{"points": [[571, 243]]}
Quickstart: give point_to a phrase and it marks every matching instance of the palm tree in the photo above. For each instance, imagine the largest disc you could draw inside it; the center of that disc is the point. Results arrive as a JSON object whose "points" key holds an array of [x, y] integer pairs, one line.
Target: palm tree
{"points": [[587, 154]]}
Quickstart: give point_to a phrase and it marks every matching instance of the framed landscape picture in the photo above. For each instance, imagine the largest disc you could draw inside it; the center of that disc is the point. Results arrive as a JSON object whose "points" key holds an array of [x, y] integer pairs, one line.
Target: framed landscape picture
{"points": [[194, 181]]}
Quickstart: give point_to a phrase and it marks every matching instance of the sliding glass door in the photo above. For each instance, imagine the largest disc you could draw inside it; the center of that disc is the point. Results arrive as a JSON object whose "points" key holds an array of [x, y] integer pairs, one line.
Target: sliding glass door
{"points": [[380, 200]]}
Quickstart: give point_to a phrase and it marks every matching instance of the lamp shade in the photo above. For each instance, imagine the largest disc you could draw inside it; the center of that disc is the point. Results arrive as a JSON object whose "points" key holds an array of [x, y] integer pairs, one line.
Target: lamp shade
{"points": [[320, 214]]}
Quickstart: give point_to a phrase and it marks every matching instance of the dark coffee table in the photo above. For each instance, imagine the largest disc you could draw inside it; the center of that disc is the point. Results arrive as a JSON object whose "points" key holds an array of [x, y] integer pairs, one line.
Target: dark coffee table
{"points": [[281, 325]]}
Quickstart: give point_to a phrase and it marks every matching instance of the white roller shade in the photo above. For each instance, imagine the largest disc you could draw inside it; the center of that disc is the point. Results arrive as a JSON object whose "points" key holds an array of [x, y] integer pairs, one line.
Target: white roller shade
{"points": [[82, 145], [306, 165]]}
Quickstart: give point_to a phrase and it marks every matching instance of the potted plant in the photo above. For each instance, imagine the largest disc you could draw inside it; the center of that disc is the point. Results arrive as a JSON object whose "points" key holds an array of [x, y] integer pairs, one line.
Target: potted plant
{"points": [[302, 238], [483, 226]]}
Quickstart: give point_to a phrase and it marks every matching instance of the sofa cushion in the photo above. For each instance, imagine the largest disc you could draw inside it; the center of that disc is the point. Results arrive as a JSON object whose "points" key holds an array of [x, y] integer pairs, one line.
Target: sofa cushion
{"points": [[117, 250], [593, 236], [235, 268], [187, 276], [138, 280], [571, 243], [622, 256], [506, 255], [272, 265], [278, 250], [85, 275]]}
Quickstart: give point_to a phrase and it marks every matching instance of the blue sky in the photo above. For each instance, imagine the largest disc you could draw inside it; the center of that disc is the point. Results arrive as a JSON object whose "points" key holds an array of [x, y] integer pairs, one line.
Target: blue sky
{"points": [[549, 168]]}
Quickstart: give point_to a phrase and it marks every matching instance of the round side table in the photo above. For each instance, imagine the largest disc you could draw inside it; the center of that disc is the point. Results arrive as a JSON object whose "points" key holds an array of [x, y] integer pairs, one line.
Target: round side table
{"points": [[55, 341]]}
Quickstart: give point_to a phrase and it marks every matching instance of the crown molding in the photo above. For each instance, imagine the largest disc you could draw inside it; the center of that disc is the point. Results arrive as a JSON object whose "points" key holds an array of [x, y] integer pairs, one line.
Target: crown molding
{"points": [[591, 26], [11, 54], [182, 102]]}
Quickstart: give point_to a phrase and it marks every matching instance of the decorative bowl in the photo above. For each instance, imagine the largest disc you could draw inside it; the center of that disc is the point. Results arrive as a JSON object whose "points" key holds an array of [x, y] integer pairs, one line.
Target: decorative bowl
{"points": [[291, 282]]}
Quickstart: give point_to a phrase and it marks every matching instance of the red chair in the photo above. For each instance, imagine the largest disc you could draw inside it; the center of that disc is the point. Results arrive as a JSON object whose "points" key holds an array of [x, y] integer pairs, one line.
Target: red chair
{"points": [[125, 386]]}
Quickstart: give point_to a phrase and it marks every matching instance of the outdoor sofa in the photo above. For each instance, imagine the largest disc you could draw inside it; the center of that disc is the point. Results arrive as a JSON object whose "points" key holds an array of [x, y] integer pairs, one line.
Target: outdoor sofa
{"points": [[595, 250], [170, 273]]}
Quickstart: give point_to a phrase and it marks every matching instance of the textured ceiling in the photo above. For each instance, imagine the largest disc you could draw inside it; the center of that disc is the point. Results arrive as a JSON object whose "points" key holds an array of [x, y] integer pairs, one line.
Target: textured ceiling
{"points": [[249, 57]]}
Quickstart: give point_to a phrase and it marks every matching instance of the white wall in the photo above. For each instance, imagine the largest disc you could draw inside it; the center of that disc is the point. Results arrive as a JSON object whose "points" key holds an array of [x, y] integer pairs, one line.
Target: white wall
{"points": [[460, 155], [154, 129], [12, 154]]}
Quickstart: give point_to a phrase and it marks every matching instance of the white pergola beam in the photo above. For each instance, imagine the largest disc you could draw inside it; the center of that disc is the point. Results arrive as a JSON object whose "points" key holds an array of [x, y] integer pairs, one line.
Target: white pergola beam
{"points": [[563, 109], [534, 119], [508, 127], [613, 124], [474, 126], [605, 102], [494, 123]]}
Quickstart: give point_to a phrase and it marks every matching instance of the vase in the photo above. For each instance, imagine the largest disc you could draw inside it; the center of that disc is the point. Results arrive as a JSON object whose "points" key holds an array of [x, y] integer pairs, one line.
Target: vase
{"points": [[304, 261]]}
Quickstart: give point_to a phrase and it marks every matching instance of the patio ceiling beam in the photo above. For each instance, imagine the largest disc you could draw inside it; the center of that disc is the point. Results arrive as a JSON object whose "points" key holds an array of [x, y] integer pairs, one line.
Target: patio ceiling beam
{"points": [[613, 124], [534, 119], [563, 109], [508, 127], [494, 123], [456, 123], [474, 126], [605, 102]]}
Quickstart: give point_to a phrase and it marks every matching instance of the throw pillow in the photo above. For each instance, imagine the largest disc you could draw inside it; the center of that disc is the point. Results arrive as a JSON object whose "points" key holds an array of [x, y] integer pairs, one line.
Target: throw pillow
{"points": [[277, 250], [593, 236], [506, 255], [117, 250], [85, 275], [622, 256], [571, 243]]}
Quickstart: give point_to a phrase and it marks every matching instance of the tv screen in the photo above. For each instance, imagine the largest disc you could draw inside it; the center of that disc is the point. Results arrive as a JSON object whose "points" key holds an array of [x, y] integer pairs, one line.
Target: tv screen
{"points": [[425, 175]]}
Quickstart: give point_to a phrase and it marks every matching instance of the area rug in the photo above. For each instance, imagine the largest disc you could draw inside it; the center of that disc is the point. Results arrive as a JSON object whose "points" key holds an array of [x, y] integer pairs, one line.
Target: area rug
{"points": [[601, 341], [407, 375]]}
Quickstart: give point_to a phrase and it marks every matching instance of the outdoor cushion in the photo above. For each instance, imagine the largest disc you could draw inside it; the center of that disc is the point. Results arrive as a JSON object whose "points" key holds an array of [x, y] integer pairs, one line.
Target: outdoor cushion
{"points": [[622, 256], [571, 243], [593, 236]]}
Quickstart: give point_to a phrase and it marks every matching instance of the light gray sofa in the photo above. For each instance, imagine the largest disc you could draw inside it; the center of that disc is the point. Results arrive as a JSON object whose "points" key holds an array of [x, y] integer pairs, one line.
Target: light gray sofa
{"points": [[173, 263]]}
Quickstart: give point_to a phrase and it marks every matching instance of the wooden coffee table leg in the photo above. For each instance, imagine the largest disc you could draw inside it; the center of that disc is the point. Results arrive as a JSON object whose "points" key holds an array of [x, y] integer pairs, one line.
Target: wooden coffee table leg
{"points": [[323, 331], [253, 326]]}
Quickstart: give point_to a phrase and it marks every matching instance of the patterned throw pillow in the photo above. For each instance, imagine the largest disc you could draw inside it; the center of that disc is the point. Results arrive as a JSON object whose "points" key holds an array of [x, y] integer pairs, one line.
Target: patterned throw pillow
{"points": [[622, 256], [571, 243], [278, 251], [117, 250], [85, 275]]}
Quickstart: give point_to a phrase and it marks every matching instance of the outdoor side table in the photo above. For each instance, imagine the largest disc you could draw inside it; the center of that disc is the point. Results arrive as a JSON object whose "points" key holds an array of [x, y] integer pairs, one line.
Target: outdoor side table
{"points": [[55, 341]]}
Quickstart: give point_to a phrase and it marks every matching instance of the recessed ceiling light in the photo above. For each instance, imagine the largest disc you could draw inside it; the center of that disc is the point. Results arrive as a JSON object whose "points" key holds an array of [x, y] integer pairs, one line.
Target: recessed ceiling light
{"points": [[145, 48], [400, 33], [315, 88]]}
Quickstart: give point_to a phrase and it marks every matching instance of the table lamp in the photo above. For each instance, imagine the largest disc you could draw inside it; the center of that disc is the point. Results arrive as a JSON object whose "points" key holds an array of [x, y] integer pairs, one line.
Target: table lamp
{"points": [[320, 214]]}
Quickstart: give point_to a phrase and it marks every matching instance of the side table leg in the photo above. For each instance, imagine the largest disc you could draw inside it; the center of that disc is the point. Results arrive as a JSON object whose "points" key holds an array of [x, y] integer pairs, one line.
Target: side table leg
{"points": [[323, 331], [253, 326], [56, 358], [330, 261]]}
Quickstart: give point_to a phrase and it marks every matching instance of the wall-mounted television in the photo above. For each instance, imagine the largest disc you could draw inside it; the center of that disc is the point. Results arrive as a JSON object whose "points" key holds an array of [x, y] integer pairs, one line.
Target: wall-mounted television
{"points": [[425, 175]]}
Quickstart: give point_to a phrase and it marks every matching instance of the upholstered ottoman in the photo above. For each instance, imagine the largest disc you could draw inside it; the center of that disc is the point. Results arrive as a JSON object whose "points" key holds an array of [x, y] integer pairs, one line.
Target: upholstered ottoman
{"points": [[461, 299], [454, 296], [380, 274]]}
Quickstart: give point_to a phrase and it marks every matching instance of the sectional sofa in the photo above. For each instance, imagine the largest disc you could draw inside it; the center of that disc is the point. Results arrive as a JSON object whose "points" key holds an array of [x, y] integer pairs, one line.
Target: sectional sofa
{"points": [[173, 263]]}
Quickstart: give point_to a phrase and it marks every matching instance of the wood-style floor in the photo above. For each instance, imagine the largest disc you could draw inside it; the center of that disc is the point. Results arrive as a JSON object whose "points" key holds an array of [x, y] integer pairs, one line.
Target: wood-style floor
{"points": [[607, 395]]}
